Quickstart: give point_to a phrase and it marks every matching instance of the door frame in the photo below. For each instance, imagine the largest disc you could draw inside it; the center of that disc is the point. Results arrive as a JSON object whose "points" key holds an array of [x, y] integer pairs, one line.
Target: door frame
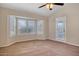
{"points": [[58, 39]]}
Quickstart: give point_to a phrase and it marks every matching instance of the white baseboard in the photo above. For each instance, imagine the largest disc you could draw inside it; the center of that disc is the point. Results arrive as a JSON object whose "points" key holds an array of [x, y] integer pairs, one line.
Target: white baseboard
{"points": [[12, 42], [66, 42], [72, 44], [8, 44]]}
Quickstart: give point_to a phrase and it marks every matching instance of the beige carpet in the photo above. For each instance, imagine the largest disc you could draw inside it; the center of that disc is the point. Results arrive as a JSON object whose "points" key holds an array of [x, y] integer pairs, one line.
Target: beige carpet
{"points": [[40, 48]]}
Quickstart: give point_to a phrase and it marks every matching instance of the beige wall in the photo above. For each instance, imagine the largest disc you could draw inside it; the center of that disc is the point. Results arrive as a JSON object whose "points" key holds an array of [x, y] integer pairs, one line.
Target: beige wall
{"points": [[71, 11], [5, 40]]}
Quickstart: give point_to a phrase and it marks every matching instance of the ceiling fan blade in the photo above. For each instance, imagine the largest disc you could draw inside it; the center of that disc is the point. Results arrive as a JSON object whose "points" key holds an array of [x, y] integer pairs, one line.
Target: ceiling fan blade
{"points": [[61, 4], [42, 5]]}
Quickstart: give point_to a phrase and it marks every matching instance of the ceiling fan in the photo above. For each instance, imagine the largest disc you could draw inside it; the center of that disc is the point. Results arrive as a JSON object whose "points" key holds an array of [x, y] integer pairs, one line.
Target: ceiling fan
{"points": [[50, 5]]}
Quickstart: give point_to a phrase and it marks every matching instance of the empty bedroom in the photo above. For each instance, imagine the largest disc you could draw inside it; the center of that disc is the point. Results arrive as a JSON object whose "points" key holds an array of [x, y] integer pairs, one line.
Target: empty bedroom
{"points": [[39, 29]]}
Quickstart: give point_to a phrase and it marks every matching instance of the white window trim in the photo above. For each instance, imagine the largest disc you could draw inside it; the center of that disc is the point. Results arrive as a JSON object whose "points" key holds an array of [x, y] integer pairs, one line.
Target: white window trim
{"points": [[26, 18]]}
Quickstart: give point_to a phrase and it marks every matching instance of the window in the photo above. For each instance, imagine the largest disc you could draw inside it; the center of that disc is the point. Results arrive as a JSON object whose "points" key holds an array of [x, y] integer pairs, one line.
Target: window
{"points": [[40, 27], [20, 26], [31, 27]]}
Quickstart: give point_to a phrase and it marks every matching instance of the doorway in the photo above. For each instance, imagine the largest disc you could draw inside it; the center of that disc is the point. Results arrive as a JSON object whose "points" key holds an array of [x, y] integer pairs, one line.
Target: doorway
{"points": [[61, 28]]}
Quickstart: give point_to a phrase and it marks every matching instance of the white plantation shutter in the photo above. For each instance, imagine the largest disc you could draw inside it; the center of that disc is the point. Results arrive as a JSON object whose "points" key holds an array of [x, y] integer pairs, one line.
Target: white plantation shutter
{"points": [[12, 26], [20, 26], [31, 27], [40, 27]]}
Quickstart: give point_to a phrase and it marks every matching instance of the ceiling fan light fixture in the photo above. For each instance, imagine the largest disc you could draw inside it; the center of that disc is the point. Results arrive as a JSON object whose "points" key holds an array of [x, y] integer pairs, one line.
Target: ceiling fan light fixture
{"points": [[49, 6]]}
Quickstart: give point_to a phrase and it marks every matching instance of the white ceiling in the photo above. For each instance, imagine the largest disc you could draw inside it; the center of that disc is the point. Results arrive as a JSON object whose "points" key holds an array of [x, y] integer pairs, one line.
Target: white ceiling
{"points": [[31, 7]]}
